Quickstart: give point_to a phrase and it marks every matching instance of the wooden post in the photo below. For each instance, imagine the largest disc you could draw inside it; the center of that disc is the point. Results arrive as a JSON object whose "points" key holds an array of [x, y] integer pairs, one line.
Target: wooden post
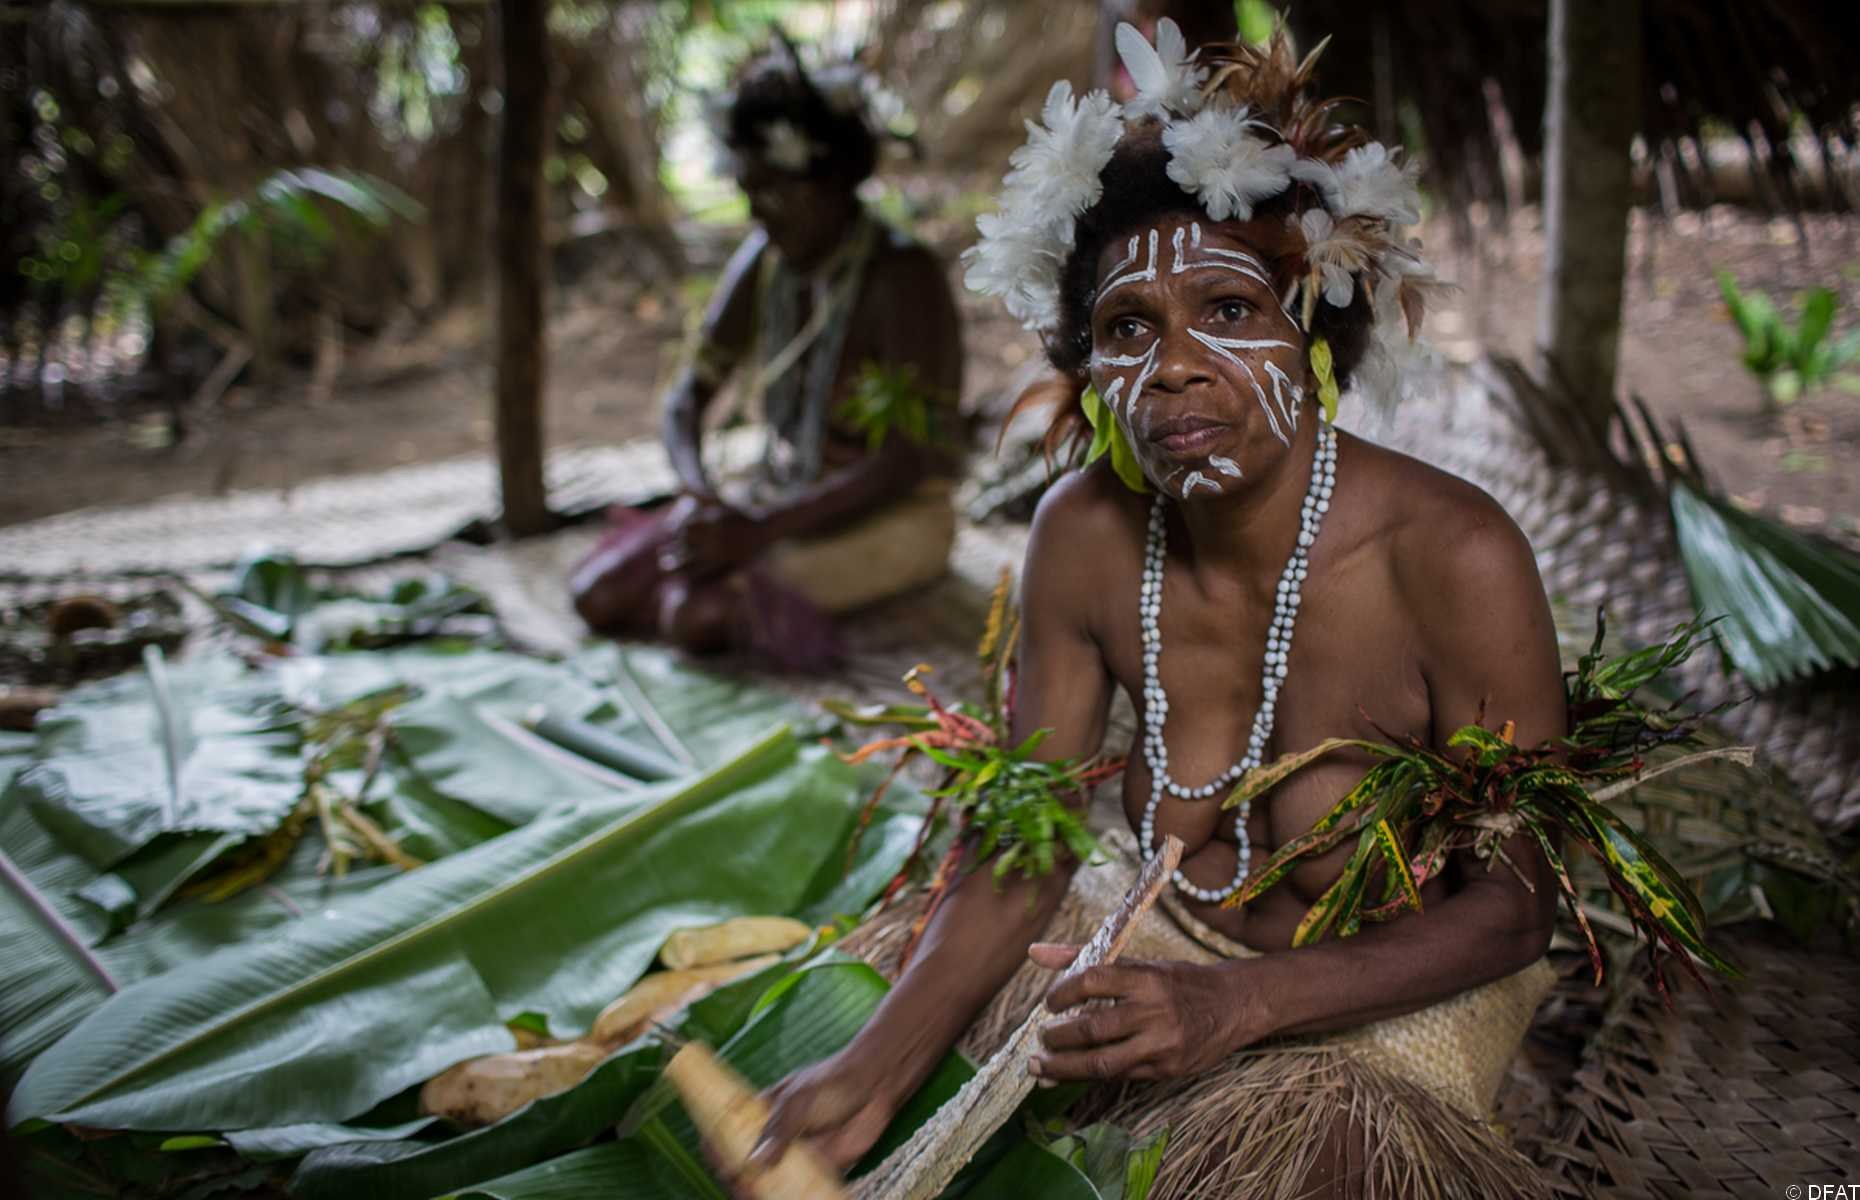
{"points": [[1589, 124], [521, 255]]}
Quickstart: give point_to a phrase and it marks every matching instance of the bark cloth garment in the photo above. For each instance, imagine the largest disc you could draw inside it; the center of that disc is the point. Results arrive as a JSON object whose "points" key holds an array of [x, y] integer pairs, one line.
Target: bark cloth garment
{"points": [[1406, 1101]]}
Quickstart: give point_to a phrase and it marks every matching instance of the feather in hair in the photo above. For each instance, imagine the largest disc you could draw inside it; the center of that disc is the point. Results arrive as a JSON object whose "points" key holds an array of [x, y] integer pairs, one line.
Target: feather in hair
{"points": [[1166, 77]]}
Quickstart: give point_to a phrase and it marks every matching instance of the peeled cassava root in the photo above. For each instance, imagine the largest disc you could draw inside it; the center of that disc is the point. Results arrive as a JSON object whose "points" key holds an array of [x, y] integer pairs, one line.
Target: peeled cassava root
{"points": [[661, 994], [483, 1090], [729, 1117], [735, 938]]}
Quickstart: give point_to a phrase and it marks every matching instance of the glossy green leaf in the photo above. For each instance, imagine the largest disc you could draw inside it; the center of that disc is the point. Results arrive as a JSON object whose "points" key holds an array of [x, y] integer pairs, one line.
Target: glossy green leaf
{"points": [[294, 1141], [1790, 605], [117, 767], [559, 916]]}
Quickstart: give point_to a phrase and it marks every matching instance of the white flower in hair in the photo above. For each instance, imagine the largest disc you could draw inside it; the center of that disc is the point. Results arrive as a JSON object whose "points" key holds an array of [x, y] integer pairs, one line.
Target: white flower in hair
{"points": [[1215, 158], [1369, 182], [786, 147], [1165, 74]]}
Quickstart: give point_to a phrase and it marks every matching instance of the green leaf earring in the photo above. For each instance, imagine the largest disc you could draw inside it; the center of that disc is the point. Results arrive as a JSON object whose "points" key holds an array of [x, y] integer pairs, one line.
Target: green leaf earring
{"points": [[1108, 437], [1323, 368]]}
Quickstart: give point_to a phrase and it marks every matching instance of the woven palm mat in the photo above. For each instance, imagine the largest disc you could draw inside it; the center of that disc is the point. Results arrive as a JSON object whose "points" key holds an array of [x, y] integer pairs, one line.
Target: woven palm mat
{"points": [[337, 522], [526, 583], [1739, 1092]]}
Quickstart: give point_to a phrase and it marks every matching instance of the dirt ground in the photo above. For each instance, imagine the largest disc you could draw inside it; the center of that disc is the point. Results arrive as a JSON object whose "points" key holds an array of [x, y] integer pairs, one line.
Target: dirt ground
{"points": [[612, 346]]}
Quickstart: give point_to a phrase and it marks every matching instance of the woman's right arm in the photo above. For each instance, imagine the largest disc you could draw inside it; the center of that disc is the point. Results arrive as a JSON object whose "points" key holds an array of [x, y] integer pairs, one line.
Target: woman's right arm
{"points": [[980, 933], [723, 337]]}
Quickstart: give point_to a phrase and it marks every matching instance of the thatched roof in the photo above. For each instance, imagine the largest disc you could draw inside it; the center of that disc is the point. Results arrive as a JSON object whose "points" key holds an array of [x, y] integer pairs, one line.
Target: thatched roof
{"points": [[1471, 74]]}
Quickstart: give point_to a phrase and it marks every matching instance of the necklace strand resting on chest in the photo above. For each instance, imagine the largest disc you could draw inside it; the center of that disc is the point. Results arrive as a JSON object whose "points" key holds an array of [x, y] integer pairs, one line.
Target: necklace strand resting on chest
{"points": [[1272, 670]]}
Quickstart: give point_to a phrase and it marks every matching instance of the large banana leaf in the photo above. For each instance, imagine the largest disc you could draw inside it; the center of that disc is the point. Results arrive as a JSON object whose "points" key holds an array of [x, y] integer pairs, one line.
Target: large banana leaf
{"points": [[50, 993], [1790, 606], [45, 990], [556, 917], [187, 748], [709, 714]]}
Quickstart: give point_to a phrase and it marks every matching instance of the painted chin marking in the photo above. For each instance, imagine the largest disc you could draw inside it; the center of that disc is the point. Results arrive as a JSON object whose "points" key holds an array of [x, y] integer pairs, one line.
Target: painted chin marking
{"points": [[1225, 466], [1197, 480]]}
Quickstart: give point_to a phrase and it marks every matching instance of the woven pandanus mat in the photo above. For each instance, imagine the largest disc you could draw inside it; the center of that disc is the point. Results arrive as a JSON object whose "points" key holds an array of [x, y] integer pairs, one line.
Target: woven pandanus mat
{"points": [[338, 522], [1741, 1091]]}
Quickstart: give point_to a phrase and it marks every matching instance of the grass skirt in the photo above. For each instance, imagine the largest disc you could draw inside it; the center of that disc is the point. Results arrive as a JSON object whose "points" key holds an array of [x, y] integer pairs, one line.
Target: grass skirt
{"points": [[1397, 1108]]}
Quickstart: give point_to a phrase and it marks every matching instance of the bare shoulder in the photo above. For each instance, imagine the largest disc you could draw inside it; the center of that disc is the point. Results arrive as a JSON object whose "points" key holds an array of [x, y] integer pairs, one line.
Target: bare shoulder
{"points": [[1087, 535], [1443, 535]]}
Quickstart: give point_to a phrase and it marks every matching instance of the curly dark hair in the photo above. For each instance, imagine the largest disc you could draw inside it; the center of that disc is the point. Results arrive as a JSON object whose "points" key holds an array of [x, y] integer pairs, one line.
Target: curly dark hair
{"points": [[1138, 192], [771, 88]]}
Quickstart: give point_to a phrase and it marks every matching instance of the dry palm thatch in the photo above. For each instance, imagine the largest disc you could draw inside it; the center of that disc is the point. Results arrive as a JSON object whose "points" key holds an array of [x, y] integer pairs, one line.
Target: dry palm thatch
{"points": [[1472, 74]]}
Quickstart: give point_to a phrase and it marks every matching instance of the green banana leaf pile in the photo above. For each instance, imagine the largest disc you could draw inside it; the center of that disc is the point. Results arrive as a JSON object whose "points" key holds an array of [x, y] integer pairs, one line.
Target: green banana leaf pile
{"points": [[277, 1039]]}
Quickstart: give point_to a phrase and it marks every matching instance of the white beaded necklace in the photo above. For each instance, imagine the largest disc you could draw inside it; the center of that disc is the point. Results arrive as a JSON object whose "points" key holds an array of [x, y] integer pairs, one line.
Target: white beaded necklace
{"points": [[1272, 671]]}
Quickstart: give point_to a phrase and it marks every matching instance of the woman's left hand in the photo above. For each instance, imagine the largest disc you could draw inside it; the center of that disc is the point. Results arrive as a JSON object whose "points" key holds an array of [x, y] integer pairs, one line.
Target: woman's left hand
{"points": [[1164, 1020]]}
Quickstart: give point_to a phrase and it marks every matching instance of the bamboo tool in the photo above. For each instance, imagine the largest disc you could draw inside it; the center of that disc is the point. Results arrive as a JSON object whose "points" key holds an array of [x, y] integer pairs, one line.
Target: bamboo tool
{"points": [[730, 1116], [602, 746], [922, 1167]]}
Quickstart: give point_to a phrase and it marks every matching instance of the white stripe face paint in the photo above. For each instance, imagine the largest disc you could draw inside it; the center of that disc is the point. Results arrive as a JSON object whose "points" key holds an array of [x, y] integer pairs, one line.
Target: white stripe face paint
{"points": [[1225, 347], [1123, 394], [1237, 261], [1197, 480], [1281, 383], [1145, 275]]}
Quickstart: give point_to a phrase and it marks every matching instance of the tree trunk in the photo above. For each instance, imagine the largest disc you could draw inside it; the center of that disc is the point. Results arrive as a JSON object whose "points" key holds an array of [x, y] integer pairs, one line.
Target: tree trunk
{"points": [[1594, 109], [522, 262]]}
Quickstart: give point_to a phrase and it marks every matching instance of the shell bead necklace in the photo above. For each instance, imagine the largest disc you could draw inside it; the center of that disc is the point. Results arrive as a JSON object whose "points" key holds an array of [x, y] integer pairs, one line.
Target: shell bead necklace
{"points": [[1272, 671]]}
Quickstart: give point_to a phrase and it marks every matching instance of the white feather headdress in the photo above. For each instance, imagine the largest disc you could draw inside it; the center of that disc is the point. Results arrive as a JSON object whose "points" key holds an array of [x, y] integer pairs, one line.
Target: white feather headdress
{"points": [[1239, 130]]}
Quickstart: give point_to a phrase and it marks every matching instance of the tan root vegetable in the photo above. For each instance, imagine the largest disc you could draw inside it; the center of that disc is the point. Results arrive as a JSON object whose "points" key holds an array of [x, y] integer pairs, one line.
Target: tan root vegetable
{"points": [[730, 1116], [736, 938], [659, 995], [482, 1090]]}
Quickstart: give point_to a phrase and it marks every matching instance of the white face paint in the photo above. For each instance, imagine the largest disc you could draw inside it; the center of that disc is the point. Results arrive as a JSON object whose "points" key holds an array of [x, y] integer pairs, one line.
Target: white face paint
{"points": [[1197, 480], [1281, 383], [1123, 394]]}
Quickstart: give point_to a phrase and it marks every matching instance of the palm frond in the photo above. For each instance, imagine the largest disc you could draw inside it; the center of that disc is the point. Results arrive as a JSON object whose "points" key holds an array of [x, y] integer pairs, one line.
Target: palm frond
{"points": [[1790, 605]]}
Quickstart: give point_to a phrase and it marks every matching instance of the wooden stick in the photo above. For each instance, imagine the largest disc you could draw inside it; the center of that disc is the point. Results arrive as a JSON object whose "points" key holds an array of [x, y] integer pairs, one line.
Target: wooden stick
{"points": [[922, 1167], [730, 1116]]}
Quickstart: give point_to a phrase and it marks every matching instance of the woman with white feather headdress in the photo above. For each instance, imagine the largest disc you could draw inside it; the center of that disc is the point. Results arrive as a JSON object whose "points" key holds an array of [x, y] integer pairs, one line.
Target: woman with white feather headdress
{"points": [[1214, 266]]}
